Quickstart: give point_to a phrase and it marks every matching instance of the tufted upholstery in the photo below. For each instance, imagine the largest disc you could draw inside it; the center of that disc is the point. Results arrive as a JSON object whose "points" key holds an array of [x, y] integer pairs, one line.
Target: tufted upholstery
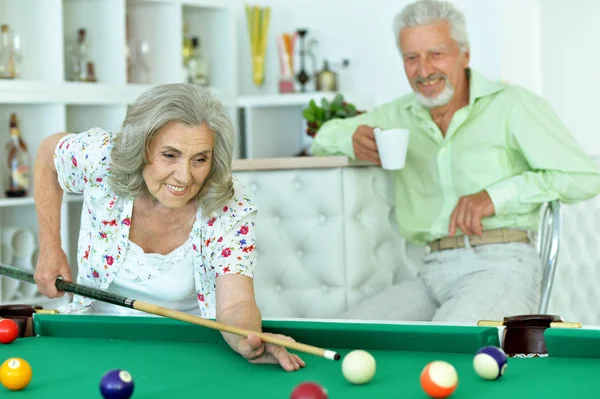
{"points": [[327, 237], [300, 237], [576, 291]]}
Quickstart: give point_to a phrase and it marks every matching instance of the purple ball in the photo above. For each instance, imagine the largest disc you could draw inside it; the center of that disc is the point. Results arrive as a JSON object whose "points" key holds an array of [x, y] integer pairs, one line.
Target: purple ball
{"points": [[490, 362], [116, 384]]}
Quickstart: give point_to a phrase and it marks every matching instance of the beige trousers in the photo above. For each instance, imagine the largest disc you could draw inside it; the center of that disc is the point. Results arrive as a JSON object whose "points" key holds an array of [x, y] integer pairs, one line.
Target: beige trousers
{"points": [[462, 286]]}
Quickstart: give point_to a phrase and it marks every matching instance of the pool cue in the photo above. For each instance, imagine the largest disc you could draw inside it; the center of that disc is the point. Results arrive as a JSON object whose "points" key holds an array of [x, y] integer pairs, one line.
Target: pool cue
{"points": [[554, 324], [118, 300]]}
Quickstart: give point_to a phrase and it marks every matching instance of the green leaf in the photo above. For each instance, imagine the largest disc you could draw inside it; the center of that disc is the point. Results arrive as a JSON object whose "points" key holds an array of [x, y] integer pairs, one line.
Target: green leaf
{"points": [[312, 105], [338, 101], [320, 115], [308, 114], [341, 113], [351, 109], [325, 104]]}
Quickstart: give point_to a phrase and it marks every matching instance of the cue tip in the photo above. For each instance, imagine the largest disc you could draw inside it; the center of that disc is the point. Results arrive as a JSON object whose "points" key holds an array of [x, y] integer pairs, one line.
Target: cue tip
{"points": [[331, 355]]}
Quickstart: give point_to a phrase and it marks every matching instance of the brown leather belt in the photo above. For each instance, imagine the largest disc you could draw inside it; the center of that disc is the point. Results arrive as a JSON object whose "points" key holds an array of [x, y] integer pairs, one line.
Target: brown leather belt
{"points": [[498, 236]]}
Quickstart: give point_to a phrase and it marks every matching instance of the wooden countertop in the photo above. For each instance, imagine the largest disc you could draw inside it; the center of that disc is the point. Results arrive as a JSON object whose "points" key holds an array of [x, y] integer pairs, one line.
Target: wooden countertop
{"points": [[295, 163]]}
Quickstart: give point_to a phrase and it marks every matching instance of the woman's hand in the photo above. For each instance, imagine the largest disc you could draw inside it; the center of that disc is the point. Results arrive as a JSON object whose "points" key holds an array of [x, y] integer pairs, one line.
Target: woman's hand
{"points": [[52, 263], [256, 351]]}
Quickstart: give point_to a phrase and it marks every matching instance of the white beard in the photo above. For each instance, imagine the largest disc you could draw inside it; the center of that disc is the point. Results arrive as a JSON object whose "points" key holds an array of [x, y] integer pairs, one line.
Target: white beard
{"points": [[441, 99]]}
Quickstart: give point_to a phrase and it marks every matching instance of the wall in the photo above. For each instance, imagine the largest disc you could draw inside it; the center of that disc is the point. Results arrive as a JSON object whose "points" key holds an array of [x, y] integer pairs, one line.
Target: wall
{"points": [[570, 59]]}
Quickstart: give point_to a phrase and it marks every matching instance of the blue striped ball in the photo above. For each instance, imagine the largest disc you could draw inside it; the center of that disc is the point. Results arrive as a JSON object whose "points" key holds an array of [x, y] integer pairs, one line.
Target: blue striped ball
{"points": [[490, 362]]}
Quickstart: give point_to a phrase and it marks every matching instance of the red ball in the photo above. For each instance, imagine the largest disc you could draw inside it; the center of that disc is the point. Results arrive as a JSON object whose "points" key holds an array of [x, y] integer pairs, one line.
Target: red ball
{"points": [[309, 390], [9, 331]]}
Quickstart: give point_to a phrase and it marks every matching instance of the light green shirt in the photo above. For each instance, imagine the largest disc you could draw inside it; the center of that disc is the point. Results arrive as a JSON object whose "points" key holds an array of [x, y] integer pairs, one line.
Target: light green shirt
{"points": [[507, 141]]}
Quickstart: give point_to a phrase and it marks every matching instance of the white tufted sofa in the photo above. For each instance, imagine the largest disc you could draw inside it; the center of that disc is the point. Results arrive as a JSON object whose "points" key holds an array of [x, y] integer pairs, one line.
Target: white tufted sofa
{"points": [[327, 237]]}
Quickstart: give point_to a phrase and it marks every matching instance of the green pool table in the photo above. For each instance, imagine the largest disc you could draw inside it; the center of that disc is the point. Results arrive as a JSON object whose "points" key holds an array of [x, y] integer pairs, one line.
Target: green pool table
{"points": [[172, 359]]}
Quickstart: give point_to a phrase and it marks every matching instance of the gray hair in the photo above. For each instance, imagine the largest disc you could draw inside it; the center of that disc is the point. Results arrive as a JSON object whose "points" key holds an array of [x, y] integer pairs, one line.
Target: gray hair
{"points": [[426, 12], [189, 105]]}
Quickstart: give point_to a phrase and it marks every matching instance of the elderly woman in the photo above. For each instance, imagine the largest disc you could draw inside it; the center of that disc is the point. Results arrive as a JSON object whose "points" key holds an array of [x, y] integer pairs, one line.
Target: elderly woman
{"points": [[163, 219]]}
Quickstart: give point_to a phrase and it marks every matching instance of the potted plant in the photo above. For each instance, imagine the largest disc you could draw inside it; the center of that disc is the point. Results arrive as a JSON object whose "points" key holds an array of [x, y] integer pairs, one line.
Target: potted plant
{"points": [[316, 115]]}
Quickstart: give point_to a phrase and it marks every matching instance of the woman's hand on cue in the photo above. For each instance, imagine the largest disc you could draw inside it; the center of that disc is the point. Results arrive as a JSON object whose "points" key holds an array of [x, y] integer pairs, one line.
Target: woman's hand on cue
{"points": [[253, 349], [52, 263]]}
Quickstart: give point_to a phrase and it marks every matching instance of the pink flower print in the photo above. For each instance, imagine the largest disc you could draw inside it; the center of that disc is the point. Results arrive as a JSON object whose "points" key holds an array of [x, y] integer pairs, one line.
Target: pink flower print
{"points": [[99, 179], [244, 230], [109, 260], [207, 242], [103, 235], [226, 252], [86, 255], [201, 297], [212, 221], [226, 269], [126, 221], [220, 239], [95, 274], [195, 247], [74, 160], [225, 208], [85, 179]]}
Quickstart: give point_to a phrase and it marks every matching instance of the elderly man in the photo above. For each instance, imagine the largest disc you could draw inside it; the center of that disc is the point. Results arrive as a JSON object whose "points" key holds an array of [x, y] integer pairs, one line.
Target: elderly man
{"points": [[482, 158]]}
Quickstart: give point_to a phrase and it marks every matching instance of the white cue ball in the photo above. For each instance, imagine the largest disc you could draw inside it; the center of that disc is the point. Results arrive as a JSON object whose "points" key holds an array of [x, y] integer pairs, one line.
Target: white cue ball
{"points": [[358, 367]]}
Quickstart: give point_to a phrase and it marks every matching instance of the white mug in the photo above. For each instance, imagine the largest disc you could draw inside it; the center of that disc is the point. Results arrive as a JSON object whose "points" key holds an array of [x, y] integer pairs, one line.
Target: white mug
{"points": [[392, 145]]}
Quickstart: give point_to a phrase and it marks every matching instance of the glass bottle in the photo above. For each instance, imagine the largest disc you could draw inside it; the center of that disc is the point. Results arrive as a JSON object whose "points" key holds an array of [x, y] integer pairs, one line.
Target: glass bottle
{"points": [[80, 58], [18, 162], [7, 66], [197, 66]]}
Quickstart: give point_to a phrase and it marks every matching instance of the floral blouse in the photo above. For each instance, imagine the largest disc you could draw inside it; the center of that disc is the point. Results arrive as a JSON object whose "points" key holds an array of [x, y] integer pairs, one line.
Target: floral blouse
{"points": [[223, 243]]}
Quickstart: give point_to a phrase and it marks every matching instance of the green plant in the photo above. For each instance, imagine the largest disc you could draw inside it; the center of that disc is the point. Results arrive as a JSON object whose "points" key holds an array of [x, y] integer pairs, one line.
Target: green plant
{"points": [[337, 108]]}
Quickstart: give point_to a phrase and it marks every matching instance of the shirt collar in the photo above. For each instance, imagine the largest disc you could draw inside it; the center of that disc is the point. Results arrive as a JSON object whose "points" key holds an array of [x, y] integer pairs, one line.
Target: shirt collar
{"points": [[479, 87]]}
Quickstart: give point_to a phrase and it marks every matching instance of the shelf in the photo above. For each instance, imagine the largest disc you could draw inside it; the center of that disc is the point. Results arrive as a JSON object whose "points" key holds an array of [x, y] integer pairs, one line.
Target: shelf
{"points": [[26, 201], [32, 92], [6, 202], [298, 99], [220, 4]]}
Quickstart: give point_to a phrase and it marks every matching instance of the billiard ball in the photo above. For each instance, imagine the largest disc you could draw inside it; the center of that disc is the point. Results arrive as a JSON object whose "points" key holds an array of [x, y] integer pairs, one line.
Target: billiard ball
{"points": [[439, 379], [9, 331], [116, 384], [358, 367], [490, 362], [309, 390], [15, 373]]}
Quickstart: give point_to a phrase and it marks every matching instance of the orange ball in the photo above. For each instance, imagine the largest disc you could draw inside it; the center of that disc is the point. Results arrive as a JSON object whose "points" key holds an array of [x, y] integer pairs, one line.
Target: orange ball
{"points": [[15, 373], [439, 379]]}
